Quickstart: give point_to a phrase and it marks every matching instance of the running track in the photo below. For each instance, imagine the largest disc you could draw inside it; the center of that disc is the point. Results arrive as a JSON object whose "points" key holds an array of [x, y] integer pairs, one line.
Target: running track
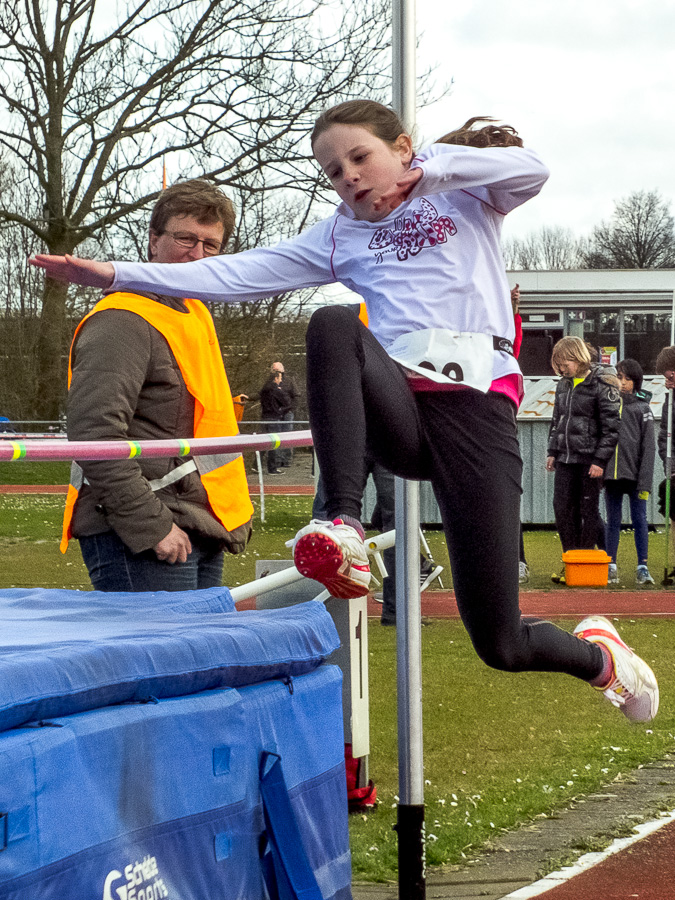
{"points": [[561, 602], [644, 867]]}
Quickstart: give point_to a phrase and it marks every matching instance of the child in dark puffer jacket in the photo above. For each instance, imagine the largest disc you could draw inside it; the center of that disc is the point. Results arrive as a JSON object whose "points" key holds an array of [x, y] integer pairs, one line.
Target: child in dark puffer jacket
{"points": [[631, 469], [583, 434]]}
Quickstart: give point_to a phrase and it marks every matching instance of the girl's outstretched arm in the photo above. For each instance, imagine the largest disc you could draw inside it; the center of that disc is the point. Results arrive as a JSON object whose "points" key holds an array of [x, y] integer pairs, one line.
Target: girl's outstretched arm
{"points": [[78, 271], [300, 262]]}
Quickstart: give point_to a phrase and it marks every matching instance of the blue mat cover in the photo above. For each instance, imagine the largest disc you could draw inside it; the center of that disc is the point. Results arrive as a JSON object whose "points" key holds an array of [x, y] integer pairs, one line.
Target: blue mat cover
{"points": [[158, 795], [116, 648], [161, 800]]}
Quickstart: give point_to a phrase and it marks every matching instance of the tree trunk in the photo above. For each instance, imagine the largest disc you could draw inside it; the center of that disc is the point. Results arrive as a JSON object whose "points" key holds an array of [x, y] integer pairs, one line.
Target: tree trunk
{"points": [[52, 362]]}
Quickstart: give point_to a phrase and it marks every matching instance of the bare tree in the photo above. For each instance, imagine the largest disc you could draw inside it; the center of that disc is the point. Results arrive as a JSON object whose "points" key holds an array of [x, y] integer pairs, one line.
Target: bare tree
{"points": [[551, 247], [640, 235], [218, 88]]}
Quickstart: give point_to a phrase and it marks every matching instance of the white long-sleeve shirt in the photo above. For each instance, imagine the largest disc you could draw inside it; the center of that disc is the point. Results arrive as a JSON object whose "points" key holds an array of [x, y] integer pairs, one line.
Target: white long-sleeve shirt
{"points": [[434, 262]]}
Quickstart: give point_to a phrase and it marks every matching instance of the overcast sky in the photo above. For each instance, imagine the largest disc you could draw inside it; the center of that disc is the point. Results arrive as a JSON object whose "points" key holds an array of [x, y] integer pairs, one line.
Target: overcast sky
{"points": [[589, 84]]}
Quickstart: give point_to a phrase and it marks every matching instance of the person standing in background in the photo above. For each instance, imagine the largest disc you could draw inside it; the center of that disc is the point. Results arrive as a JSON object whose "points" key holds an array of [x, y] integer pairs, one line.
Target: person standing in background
{"points": [[583, 434], [273, 404], [289, 387], [665, 365], [630, 469]]}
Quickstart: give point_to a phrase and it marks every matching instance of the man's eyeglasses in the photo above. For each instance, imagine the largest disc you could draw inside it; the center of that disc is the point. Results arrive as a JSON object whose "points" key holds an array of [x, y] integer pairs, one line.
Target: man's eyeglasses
{"points": [[190, 241]]}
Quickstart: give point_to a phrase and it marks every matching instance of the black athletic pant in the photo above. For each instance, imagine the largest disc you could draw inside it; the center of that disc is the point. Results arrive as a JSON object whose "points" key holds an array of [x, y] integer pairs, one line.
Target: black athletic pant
{"points": [[576, 506], [465, 443]]}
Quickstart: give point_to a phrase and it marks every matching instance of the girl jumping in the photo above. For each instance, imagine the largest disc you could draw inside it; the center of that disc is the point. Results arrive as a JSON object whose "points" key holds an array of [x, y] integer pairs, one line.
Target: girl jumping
{"points": [[431, 388]]}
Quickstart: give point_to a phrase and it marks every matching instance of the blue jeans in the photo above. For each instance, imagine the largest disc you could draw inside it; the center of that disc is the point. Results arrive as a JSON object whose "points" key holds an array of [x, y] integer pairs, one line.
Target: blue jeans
{"points": [[614, 491], [286, 453], [113, 567]]}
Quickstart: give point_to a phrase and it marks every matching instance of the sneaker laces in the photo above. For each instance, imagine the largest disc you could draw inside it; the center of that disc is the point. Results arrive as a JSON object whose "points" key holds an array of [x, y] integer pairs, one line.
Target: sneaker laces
{"points": [[617, 691]]}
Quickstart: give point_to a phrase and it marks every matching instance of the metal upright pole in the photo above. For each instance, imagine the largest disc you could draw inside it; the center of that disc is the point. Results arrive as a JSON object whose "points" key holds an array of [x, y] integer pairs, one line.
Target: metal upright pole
{"points": [[404, 45], [410, 820]]}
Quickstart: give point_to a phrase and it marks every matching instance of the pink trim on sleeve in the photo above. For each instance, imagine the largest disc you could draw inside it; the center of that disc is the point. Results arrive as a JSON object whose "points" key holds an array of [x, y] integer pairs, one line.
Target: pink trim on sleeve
{"points": [[332, 253], [481, 200]]}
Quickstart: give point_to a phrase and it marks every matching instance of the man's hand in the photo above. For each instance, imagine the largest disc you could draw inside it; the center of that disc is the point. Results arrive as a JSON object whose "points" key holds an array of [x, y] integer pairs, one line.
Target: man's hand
{"points": [[78, 271], [175, 547], [550, 463], [399, 192], [596, 471]]}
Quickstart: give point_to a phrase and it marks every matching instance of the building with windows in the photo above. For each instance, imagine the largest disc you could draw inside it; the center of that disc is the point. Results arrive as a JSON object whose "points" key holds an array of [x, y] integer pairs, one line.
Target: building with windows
{"points": [[621, 312]]}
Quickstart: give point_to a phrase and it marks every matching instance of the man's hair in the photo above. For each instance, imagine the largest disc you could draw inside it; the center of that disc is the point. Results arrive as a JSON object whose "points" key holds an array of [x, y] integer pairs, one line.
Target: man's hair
{"points": [[665, 361], [632, 369], [483, 136], [570, 348], [196, 197]]}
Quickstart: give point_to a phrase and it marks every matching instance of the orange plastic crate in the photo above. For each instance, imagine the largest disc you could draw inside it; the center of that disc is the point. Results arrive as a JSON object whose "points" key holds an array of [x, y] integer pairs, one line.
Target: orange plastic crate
{"points": [[586, 568]]}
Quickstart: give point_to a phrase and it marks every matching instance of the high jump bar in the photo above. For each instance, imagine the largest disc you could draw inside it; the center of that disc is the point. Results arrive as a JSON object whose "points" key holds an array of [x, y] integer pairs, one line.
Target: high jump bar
{"points": [[58, 449]]}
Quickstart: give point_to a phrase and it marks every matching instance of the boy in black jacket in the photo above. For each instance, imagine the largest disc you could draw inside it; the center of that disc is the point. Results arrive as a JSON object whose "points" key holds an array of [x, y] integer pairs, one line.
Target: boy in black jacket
{"points": [[630, 469]]}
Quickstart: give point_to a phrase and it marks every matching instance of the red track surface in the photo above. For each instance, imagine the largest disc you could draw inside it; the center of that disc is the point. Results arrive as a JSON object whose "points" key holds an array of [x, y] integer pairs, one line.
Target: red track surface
{"points": [[645, 869], [568, 602]]}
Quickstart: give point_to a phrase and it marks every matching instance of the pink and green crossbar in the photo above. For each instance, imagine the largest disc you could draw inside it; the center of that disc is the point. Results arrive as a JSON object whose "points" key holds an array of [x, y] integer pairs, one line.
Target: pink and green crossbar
{"points": [[46, 449]]}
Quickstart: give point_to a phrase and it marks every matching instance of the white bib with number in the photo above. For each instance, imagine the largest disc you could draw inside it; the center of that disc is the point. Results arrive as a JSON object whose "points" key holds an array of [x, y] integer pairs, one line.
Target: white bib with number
{"points": [[455, 357]]}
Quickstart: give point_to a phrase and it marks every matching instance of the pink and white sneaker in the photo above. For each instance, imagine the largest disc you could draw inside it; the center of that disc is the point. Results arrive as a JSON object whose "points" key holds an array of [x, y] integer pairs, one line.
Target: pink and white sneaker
{"points": [[333, 554], [633, 688]]}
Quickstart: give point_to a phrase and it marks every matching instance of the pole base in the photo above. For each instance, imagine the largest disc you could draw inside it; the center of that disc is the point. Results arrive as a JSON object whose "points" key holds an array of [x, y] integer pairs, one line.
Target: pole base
{"points": [[412, 861]]}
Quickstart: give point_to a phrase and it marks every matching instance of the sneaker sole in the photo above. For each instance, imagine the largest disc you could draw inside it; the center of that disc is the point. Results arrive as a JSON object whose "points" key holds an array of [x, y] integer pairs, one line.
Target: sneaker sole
{"points": [[318, 557]]}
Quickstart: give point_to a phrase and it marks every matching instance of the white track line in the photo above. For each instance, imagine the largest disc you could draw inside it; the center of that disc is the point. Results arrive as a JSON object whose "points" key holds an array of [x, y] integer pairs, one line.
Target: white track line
{"points": [[588, 860]]}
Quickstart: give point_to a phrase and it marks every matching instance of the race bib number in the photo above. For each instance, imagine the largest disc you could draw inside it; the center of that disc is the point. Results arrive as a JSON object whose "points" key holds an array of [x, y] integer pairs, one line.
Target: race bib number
{"points": [[457, 357]]}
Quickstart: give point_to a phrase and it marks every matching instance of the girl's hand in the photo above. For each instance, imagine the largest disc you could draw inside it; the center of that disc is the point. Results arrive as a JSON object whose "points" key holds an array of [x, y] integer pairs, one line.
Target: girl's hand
{"points": [[78, 271], [399, 193]]}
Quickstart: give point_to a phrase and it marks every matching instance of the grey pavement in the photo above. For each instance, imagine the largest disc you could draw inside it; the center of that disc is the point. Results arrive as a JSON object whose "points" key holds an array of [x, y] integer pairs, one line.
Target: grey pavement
{"points": [[519, 858]]}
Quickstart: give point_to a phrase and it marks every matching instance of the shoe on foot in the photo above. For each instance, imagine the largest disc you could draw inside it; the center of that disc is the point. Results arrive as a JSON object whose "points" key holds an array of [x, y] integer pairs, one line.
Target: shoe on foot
{"points": [[559, 579], [643, 576], [523, 573], [333, 554], [612, 574], [425, 581], [633, 687], [426, 569]]}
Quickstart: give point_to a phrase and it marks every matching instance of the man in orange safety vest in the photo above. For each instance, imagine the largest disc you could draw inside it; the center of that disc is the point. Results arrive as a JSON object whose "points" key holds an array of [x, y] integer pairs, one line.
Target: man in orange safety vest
{"points": [[150, 368]]}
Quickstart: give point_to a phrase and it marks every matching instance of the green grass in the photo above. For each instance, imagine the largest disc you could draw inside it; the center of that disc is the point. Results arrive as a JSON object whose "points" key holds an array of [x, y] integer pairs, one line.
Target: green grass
{"points": [[23, 472], [499, 749]]}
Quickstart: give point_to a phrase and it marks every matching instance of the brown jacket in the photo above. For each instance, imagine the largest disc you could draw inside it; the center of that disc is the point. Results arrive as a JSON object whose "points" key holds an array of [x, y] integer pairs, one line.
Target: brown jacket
{"points": [[126, 385]]}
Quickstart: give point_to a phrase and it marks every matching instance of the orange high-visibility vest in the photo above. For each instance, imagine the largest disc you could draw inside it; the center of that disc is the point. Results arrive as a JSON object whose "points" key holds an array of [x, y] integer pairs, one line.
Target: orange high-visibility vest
{"points": [[363, 314], [194, 344]]}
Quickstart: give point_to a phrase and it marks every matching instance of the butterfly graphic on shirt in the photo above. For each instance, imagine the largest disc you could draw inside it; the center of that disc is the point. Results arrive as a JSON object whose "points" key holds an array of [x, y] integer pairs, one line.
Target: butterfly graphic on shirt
{"points": [[416, 229]]}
